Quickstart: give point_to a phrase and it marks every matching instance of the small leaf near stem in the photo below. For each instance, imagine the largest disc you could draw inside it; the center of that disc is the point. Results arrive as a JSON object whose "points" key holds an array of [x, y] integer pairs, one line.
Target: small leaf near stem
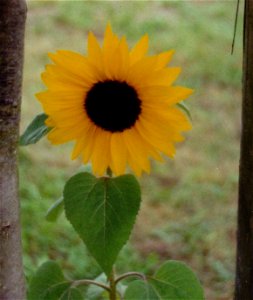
{"points": [[55, 210], [185, 109], [35, 131]]}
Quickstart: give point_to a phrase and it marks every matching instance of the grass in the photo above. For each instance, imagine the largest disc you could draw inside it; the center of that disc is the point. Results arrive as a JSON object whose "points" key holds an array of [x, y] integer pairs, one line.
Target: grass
{"points": [[189, 204]]}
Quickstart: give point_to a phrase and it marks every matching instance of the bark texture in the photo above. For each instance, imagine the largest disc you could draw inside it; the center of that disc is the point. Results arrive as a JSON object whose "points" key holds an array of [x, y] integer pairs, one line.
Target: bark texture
{"points": [[244, 263], [12, 25]]}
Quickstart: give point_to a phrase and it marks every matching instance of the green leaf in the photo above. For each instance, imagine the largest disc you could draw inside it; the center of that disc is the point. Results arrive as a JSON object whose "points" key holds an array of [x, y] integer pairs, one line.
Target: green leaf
{"points": [[48, 283], [185, 109], [35, 131], [72, 294], [175, 280], [55, 210], [137, 290], [56, 291], [103, 212]]}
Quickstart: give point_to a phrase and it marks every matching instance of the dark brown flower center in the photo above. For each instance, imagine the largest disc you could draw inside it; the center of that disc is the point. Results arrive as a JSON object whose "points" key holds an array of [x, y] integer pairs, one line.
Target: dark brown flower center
{"points": [[113, 105]]}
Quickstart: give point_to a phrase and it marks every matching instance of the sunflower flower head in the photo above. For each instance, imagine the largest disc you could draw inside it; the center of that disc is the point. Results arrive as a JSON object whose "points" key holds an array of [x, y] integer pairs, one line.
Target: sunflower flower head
{"points": [[117, 104]]}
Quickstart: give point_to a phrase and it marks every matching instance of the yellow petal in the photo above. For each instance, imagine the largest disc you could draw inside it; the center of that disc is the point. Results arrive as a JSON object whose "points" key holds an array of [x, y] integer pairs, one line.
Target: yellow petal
{"points": [[164, 58], [68, 121], [90, 137], [113, 63], [141, 70], [95, 57], [149, 134], [79, 146], [170, 95], [151, 150], [136, 150], [82, 141], [69, 97], [61, 136], [178, 93], [111, 42], [123, 63], [154, 94], [56, 77], [162, 77], [118, 154], [139, 50], [75, 64], [173, 117], [100, 154], [133, 165], [166, 124], [94, 50], [65, 116], [109, 36]]}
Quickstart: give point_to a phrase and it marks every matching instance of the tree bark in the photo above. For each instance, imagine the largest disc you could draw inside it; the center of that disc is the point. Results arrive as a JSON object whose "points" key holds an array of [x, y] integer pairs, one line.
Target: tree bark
{"points": [[244, 263], [12, 25]]}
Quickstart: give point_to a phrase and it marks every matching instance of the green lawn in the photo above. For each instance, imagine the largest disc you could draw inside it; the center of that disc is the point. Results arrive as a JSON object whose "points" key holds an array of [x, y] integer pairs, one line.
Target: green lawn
{"points": [[189, 204]]}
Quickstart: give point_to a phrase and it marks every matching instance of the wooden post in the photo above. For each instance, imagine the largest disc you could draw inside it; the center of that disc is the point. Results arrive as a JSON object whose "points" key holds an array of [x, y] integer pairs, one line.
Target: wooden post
{"points": [[12, 25], [244, 262]]}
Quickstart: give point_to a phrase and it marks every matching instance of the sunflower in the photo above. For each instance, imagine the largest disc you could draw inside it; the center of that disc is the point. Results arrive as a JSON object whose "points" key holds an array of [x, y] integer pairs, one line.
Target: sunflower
{"points": [[117, 104]]}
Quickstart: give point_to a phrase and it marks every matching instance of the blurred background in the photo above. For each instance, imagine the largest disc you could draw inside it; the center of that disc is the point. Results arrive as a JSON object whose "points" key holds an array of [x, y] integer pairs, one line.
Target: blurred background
{"points": [[189, 204]]}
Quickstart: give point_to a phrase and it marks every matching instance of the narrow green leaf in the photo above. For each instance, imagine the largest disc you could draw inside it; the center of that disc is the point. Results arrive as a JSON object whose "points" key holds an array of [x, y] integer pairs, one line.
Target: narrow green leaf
{"points": [[140, 290], [48, 283], [35, 131], [185, 109], [103, 212], [175, 280], [55, 210]]}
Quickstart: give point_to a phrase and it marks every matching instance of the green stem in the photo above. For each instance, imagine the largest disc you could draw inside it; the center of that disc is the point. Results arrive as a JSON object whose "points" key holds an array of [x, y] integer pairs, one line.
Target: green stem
{"points": [[129, 274], [112, 283], [87, 281]]}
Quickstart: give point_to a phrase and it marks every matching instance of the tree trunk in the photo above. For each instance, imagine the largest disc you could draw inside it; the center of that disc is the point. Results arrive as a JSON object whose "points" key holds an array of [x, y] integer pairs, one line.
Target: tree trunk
{"points": [[12, 25], [244, 267]]}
